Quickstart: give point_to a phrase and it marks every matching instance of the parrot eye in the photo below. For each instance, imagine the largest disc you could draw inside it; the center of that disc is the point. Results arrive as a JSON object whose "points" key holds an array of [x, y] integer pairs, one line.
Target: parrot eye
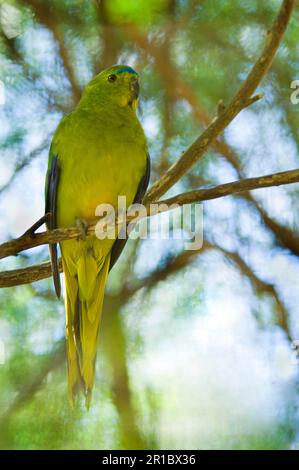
{"points": [[112, 78]]}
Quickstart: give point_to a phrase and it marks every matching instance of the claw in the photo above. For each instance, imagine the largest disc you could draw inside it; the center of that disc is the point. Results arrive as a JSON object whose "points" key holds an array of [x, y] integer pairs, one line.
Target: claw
{"points": [[82, 225]]}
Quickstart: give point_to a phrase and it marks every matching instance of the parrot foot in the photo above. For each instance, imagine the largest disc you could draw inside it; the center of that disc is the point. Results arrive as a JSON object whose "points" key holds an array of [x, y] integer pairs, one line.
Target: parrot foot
{"points": [[82, 225]]}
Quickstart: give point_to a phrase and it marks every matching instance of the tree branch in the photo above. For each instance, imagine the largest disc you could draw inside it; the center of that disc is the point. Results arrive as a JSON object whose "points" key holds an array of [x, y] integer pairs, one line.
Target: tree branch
{"points": [[176, 87], [41, 271], [242, 99], [259, 285], [17, 277], [285, 236], [246, 184], [239, 102], [26, 241]]}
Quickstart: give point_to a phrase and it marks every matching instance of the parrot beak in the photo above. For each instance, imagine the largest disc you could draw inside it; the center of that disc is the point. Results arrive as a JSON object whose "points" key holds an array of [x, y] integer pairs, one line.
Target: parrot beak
{"points": [[134, 88]]}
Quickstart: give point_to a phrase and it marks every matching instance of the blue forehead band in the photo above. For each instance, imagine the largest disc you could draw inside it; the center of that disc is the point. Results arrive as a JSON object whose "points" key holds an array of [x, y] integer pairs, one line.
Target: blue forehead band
{"points": [[126, 69]]}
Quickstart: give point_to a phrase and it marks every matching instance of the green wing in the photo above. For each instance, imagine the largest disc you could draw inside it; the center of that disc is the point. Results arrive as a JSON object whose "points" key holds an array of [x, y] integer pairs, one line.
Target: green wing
{"points": [[119, 244]]}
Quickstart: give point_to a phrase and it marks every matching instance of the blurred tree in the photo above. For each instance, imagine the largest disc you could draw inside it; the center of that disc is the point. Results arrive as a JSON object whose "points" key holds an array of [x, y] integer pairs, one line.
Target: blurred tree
{"points": [[196, 346]]}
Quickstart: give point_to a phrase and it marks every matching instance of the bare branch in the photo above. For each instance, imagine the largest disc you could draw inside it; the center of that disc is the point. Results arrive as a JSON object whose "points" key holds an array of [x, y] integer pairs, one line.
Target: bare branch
{"points": [[246, 184], [41, 271], [17, 277], [259, 285], [239, 102], [26, 241], [242, 99], [176, 87], [285, 236]]}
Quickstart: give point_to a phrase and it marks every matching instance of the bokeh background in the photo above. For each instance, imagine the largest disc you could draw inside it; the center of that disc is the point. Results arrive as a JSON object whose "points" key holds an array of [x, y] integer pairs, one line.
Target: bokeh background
{"points": [[197, 348]]}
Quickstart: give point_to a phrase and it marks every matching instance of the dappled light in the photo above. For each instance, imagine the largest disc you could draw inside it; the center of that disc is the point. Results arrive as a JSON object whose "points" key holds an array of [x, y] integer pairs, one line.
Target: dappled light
{"points": [[198, 348]]}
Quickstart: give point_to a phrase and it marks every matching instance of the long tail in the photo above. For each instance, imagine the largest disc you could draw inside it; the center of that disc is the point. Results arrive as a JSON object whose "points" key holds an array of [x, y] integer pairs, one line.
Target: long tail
{"points": [[84, 292]]}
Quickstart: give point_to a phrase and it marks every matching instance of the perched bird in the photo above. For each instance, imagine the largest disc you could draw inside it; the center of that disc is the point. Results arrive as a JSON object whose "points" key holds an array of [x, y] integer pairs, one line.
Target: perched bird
{"points": [[98, 152]]}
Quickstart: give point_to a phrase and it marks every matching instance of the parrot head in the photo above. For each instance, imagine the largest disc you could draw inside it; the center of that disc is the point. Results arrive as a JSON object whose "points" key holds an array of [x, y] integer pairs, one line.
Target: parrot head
{"points": [[118, 84]]}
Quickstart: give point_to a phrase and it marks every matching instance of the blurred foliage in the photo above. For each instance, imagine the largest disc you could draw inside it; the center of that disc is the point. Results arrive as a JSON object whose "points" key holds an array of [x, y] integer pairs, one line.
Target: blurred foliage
{"points": [[196, 347]]}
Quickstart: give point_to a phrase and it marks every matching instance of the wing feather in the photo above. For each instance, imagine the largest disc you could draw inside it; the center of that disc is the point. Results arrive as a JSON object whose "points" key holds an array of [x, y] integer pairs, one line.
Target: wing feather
{"points": [[51, 209], [119, 244]]}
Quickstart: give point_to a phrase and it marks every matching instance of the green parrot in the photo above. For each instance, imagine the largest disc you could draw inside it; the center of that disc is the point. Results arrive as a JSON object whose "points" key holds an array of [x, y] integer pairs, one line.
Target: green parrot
{"points": [[98, 152]]}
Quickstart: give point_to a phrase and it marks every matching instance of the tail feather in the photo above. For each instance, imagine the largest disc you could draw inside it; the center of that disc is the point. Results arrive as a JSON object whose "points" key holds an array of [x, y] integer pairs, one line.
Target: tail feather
{"points": [[74, 375], [85, 288]]}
